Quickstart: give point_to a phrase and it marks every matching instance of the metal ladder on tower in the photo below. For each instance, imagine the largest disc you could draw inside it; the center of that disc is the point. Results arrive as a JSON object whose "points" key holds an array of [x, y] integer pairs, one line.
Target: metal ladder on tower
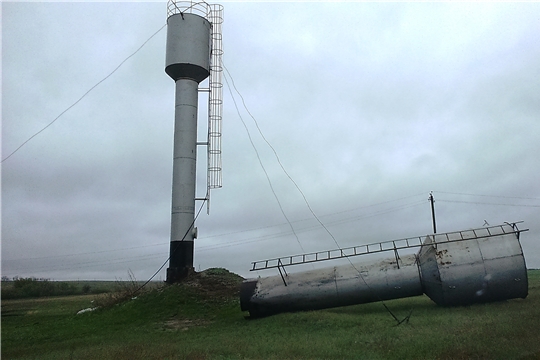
{"points": [[215, 102]]}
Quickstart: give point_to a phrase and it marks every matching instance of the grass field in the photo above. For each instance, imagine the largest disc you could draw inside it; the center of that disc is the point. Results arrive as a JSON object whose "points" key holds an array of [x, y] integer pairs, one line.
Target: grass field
{"points": [[202, 320]]}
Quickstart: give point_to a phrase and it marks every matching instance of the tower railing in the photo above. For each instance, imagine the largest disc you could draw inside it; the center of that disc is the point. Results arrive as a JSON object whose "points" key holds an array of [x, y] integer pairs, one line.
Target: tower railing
{"points": [[190, 7]]}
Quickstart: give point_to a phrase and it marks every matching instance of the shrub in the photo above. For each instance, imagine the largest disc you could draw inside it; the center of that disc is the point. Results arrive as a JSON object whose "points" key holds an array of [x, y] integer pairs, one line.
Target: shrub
{"points": [[124, 291], [32, 287]]}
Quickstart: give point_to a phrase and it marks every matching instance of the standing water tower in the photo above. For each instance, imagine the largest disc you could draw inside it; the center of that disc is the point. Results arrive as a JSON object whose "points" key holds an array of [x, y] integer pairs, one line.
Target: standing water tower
{"points": [[194, 52]]}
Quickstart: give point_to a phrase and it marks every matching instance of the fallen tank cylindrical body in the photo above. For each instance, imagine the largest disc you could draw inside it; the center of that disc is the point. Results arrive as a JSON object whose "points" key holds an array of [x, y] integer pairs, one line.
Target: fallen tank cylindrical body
{"points": [[332, 287], [459, 268]]}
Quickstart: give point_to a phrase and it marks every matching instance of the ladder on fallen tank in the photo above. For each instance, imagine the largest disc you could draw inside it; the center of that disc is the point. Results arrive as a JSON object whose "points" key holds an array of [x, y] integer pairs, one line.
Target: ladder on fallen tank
{"points": [[391, 245]]}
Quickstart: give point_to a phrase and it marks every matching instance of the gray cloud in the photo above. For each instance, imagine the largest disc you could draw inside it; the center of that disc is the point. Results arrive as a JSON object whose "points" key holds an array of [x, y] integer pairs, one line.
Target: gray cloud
{"points": [[365, 103]]}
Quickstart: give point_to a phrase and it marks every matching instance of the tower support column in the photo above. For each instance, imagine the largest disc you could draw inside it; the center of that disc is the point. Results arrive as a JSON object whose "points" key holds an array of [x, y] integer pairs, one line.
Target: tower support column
{"points": [[184, 178], [187, 62]]}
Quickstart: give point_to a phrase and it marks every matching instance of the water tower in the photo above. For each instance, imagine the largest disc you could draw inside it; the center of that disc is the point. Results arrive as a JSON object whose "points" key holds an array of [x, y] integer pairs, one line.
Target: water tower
{"points": [[457, 268], [193, 54]]}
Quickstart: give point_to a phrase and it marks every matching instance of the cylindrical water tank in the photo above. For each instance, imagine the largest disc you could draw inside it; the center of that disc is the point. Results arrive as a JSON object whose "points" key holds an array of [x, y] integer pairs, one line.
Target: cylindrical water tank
{"points": [[332, 287], [489, 266], [188, 47], [458, 268]]}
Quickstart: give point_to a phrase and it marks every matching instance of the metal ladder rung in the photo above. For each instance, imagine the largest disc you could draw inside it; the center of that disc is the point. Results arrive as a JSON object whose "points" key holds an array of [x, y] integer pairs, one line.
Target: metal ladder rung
{"points": [[378, 247]]}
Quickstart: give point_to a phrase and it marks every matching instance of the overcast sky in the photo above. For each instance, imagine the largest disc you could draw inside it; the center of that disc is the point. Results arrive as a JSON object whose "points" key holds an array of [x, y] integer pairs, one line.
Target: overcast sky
{"points": [[369, 106]]}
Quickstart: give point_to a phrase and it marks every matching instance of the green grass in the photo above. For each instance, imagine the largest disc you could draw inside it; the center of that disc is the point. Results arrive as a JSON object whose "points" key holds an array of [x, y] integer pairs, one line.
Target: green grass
{"points": [[194, 322]]}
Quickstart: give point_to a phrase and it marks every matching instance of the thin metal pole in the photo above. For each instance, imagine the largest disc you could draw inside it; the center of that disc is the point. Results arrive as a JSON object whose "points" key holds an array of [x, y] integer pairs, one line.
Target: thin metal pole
{"points": [[432, 201]]}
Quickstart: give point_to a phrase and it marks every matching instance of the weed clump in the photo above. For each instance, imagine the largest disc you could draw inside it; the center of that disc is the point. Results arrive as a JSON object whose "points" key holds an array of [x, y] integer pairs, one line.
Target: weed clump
{"points": [[215, 282], [123, 291]]}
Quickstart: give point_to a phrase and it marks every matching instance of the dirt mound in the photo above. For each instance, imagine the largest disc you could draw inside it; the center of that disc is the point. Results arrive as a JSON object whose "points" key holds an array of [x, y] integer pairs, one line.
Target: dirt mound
{"points": [[215, 282]]}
